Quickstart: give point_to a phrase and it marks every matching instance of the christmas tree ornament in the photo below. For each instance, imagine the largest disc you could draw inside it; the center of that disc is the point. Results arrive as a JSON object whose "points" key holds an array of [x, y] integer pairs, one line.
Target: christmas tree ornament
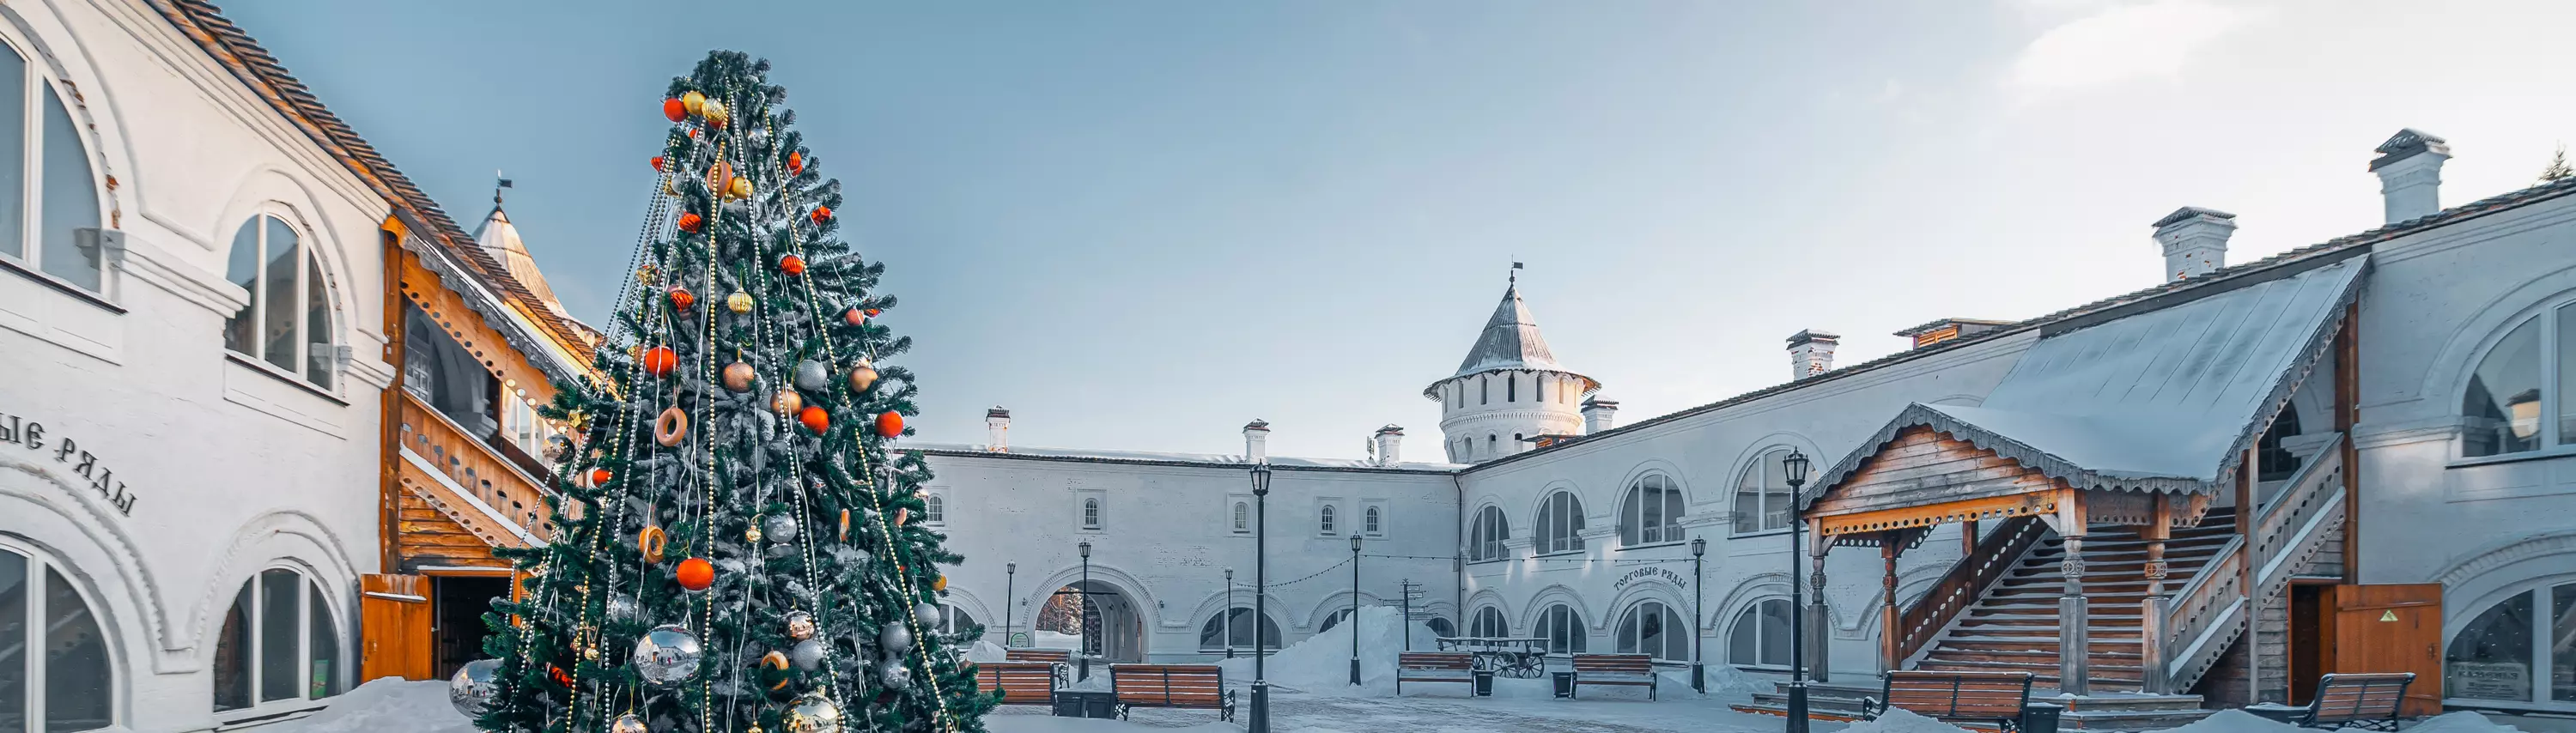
{"points": [[695, 574], [590, 653], [773, 668], [807, 655], [681, 299], [738, 302], [895, 675], [671, 187], [757, 136], [796, 164], [901, 515], [739, 187], [792, 265], [716, 113], [926, 613], [667, 655], [473, 686], [651, 542], [812, 713], [751, 534], [738, 377], [621, 608], [811, 376], [659, 360], [628, 723], [889, 424], [646, 274], [822, 214], [781, 527], [560, 676], [800, 625], [691, 222], [558, 448], [675, 109], [894, 638], [599, 477], [862, 376], [671, 427], [872, 312], [657, 164], [786, 403], [854, 317], [845, 526], [693, 102], [939, 584], [815, 419]]}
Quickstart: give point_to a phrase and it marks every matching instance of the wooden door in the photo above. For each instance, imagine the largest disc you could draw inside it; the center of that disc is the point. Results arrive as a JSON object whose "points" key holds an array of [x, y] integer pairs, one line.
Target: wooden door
{"points": [[393, 618], [2393, 628]]}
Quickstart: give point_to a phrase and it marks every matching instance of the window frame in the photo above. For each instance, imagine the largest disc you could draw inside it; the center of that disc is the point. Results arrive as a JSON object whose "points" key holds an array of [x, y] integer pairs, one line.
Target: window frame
{"points": [[1669, 502], [934, 508], [2553, 436], [1221, 621], [1544, 537], [1562, 616], [1501, 624], [1324, 519], [307, 603], [1752, 613], [2541, 673], [1486, 540], [1091, 514], [1762, 461], [1629, 635], [42, 567], [29, 260], [1373, 520], [1241, 519], [308, 269]]}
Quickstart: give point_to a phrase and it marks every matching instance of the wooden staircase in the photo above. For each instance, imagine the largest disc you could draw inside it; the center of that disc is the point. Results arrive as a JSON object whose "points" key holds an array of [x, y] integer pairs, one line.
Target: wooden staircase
{"points": [[2013, 625]]}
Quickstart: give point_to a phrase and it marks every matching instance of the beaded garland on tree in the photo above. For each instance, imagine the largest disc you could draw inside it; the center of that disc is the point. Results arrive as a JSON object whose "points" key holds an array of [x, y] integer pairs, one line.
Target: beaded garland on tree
{"points": [[679, 591]]}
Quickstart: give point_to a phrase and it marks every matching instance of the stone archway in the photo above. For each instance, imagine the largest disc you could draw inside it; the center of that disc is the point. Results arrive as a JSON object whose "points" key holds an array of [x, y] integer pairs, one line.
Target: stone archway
{"points": [[1093, 618]]}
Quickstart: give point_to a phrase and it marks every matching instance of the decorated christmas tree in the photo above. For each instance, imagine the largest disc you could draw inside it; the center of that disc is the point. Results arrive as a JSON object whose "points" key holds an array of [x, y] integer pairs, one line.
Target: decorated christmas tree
{"points": [[734, 548]]}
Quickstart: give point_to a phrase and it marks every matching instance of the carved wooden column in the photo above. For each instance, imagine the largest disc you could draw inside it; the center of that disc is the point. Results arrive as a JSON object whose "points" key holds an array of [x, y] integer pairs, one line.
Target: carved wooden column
{"points": [[2074, 647], [2155, 608], [1819, 628], [1889, 621]]}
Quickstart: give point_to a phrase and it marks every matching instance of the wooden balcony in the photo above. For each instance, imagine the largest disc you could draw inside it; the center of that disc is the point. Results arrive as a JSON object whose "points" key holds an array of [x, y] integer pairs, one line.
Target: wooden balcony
{"points": [[460, 496]]}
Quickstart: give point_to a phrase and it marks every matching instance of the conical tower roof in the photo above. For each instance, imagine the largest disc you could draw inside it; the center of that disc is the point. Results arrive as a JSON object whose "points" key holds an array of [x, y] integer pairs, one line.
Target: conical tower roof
{"points": [[1511, 341], [501, 238]]}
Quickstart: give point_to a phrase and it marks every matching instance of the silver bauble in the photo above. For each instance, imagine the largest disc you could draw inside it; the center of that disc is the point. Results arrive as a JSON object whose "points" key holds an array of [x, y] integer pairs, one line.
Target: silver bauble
{"points": [[895, 675], [668, 655], [473, 686], [778, 528], [927, 613], [895, 638], [621, 608], [800, 625], [806, 655], [812, 377], [758, 136], [558, 448], [628, 723], [812, 713]]}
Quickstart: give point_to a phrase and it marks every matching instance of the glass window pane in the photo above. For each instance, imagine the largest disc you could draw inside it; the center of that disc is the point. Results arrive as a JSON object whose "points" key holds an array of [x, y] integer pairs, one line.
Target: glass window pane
{"points": [[71, 201], [318, 354], [2567, 374], [2491, 658], [278, 636], [1672, 514], [2562, 643], [13, 156], [285, 264], [2501, 410], [77, 676], [13, 639], [1775, 631], [233, 655], [1743, 641], [243, 269], [323, 649]]}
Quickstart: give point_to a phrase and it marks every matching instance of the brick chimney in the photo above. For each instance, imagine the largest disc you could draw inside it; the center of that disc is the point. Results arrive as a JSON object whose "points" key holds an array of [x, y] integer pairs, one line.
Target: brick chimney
{"points": [[1256, 442], [1390, 445], [2195, 241], [1598, 414], [2410, 174], [997, 426], [1811, 352]]}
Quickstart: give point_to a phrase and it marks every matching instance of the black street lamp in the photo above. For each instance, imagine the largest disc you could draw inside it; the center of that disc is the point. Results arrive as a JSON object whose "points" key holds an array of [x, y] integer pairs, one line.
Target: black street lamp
{"points": [[1699, 581], [1795, 466], [1355, 608], [1229, 613], [1260, 594], [1010, 572], [1090, 635]]}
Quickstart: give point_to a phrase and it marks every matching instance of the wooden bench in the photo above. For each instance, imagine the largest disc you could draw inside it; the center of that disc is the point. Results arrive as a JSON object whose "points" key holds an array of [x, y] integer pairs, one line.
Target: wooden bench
{"points": [[1191, 686], [1625, 670], [1986, 697], [1435, 667], [1057, 656], [2366, 700], [1021, 683]]}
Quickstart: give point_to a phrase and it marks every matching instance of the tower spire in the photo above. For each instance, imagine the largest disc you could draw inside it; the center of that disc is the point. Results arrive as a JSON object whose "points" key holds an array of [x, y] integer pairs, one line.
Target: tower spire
{"points": [[496, 188], [1514, 276]]}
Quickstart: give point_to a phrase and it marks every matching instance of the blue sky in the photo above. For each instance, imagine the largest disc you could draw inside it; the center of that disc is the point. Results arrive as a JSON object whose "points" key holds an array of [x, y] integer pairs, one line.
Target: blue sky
{"points": [[1141, 224]]}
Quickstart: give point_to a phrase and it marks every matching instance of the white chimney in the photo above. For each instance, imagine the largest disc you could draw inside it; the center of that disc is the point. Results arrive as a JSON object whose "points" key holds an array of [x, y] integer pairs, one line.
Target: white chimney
{"points": [[2410, 174], [997, 423], [1256, 442], [1811, 352], [1598, 414], [2195, 241], [1390, 441]]}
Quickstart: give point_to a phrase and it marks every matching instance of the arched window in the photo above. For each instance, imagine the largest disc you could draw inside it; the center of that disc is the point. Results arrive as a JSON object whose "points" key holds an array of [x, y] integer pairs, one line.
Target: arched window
{"points": [[1485, 390], [1762, 495], [288, 320], [956, 621], [1560, 524], [2520, 381], [1518, 441], [1650, 627], [54, 225], [1372, 521], [1761, 635], [1324, 519], [1488, 623], [1493, 445], [49, 636], [1563, 629], [1511, 388], [934, 509], [278, 643], [1234, 629], [1485, 537], [1336, 619], [1652, 511], [1242, 517], [1091, 514], [1440, 626], [2495, 656]]}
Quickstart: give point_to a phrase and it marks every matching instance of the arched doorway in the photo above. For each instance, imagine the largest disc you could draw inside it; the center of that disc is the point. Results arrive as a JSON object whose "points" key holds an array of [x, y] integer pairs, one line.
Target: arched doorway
{"points": [[1110, 628]]}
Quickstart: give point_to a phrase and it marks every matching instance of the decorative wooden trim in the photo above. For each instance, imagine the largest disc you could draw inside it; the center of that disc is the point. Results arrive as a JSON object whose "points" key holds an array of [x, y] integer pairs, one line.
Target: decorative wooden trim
{"points": [[389, 443], [1993, 507], [2347, 413]]}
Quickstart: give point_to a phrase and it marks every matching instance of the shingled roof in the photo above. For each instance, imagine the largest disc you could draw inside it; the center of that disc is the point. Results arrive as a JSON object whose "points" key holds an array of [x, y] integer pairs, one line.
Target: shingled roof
{"points": [[1510, 341], [205, 24]]}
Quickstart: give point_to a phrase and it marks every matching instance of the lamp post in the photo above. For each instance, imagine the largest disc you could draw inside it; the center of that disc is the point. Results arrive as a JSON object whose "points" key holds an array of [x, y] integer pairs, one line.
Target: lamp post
{"points": [[1229, 613], [1090, 636], [1699, 581], [1355, 609], [1010, 573], [1260, 594], [1795, 468]]}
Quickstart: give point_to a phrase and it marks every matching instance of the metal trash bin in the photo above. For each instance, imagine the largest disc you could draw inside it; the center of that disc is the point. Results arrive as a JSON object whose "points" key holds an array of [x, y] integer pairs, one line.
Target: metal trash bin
{"points": [[1484, 683], [2040, 717], [1564, 683], [1086, 704]]}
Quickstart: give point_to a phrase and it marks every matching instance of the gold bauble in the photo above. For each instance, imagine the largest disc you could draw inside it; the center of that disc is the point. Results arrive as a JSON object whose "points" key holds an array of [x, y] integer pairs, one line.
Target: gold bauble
{"points": [[671, 186], [590, 653], [751, 534], [738, 377], [862, 376], [716, 113], [738, 302], [646, 274], [740, 188], [787, 402], [696, 103]]}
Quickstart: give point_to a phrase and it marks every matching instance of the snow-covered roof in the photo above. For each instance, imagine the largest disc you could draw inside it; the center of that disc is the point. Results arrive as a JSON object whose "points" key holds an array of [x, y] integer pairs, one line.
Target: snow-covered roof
{"points": [[1223, 460], [2161, 399], [1510, 341]]}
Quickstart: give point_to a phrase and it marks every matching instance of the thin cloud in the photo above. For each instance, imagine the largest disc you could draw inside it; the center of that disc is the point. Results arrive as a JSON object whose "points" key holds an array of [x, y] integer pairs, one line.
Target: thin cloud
{"points": [[2119, 43]]}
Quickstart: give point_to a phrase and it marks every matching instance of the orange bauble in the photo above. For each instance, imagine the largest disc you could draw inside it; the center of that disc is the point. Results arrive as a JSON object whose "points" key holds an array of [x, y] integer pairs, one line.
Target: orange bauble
{"points": [[695, 573], [657, 162], [600, 476], [561, 678], [690, 223], [889, 424], [822, 214], [673, 109], [855, 317], [940, 585], [659, 360], [792, 265], [872, 312], [815, 419], [795, 163], [681, 299]]}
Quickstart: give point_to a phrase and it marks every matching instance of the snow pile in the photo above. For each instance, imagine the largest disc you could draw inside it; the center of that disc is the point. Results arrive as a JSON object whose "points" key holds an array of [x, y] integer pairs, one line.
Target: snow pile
{"points": [[1044, 639], [2236, 721], [387, 704], [1900, 720], [985, 651], [2459, 722], [1322, 663]]}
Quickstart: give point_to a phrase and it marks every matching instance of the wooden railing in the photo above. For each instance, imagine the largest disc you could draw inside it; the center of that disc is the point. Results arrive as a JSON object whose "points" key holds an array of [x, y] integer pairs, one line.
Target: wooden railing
{"points": [[2215, 606], [1966, 582], [476, 486]]}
